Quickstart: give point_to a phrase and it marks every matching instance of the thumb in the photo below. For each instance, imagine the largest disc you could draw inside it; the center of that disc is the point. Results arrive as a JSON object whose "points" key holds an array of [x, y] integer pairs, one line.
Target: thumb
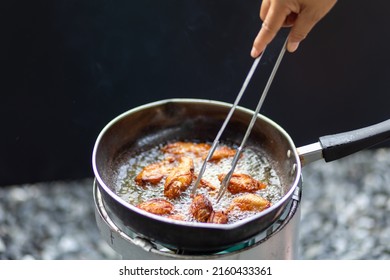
{"points": [[299, 31]]}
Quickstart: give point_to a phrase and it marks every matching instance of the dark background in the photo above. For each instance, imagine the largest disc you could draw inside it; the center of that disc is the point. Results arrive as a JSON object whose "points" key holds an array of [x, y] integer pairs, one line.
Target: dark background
{"points": [[68, 67]]}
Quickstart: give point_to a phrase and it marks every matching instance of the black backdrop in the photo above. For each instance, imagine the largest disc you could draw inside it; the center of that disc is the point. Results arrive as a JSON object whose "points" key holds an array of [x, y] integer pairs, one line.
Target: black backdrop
{"points": [[68, 67]]}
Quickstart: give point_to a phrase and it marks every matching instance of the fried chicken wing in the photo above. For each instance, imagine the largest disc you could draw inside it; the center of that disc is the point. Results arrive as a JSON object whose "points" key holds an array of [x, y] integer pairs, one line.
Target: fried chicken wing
{"points": [[249, 202], [205, 184], [218, 217], [179, 178], [242, 183], [183, 148], [198, 150], [201, 208], [221, 153], [153, 173], [157, 206]]}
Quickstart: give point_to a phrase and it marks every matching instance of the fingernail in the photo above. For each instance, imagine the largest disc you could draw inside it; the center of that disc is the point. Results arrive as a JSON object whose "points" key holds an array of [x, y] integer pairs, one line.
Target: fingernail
{"points": [[254, 52], [293, 46]]}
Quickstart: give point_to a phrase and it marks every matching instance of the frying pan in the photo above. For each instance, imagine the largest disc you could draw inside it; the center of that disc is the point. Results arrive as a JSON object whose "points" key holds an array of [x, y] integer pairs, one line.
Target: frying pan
{"points": [[149, 125]]}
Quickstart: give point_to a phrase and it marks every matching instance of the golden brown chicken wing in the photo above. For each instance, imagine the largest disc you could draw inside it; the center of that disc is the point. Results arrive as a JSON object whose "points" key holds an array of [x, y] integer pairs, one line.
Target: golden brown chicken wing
{"points": [[198, 150], [201, 208], [157, 206], [221, 153], [184, 148], [249, 202], [205, 184], [242, 183], [153, 173], [218, 217], [179, 178]]}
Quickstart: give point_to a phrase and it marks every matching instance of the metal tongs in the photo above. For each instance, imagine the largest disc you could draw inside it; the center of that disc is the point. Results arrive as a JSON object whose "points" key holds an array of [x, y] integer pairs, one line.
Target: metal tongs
{"points": [[226, 180]]}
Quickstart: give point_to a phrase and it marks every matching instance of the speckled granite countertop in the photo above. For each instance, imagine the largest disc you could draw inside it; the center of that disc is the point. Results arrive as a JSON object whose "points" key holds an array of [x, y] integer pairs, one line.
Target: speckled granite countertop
{"points": [[345, 214]]}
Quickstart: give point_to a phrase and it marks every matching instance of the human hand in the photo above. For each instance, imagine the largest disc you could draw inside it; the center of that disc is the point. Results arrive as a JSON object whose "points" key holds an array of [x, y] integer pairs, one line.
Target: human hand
{"points": [[300, 15]]}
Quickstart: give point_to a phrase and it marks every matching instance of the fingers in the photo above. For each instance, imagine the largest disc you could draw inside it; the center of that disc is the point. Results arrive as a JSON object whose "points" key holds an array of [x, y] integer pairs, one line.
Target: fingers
{"points": [[306, 20], [290, 20], [303, 24], [274, 18], [264, 8], [300, 15]]}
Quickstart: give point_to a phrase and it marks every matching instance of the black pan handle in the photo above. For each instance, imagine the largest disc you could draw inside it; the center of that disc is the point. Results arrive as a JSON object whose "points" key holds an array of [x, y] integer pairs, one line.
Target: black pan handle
{"points": [[343, 144]]}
